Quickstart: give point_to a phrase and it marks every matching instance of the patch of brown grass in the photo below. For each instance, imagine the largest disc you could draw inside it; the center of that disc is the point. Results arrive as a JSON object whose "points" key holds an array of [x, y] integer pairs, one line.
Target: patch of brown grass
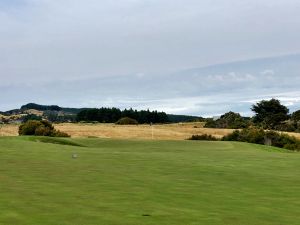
{"points": [[9, 130], [34, 111], [296, 135], [178, 131]]}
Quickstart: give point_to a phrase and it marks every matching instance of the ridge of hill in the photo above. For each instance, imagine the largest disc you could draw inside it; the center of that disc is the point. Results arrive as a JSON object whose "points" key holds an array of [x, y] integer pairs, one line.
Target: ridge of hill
{"points": [[69, 114]]}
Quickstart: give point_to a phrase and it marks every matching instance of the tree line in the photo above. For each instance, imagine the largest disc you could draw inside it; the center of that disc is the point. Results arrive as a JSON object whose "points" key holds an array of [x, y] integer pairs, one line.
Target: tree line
{"points": [[112, 115]]}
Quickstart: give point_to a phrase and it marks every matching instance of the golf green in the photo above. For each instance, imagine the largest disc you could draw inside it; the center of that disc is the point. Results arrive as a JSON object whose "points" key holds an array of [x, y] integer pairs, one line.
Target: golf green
{"points": [[46, 181]]}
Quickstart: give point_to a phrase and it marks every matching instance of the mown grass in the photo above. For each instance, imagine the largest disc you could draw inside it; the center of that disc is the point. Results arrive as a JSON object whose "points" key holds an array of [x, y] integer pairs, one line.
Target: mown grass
{"points": [[123, 182], [54, 140]]}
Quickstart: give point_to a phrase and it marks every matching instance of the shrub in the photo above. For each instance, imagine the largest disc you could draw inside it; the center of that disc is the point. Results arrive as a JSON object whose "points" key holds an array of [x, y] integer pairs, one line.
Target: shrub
{"points": [[31, 117], [29, 127], [234, 136], [42, 131], [229, 120], [259, 136], [210, 123], [286, 126], [40, 128], [127, 121], [57, 133], [251, 135], [203, 137], [283, 140]]}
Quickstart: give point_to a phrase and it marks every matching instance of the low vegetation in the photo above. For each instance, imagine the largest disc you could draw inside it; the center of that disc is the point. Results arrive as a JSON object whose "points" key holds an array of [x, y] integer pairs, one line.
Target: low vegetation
{"points": [[31, 117], [40, 128], [260, 136], [203, 137], [229, 120], [127, 121]]}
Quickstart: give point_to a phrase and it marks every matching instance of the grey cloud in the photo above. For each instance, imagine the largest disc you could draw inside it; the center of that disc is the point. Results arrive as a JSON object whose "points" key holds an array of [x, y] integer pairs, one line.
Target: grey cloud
{"points": [[138, 53], [49, 39], [201, 91]]}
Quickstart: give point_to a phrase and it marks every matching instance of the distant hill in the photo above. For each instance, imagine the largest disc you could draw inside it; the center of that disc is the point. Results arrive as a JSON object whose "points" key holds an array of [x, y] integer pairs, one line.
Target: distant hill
{"points": [[40, 107], [11, 112], [51, 108], [63, 114]]}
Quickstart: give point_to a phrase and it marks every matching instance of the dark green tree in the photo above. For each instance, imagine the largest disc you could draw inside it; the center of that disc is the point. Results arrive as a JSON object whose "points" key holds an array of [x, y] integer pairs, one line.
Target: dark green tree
{"points": [[270, 113], [296, 116], [112, 115], [230, 120]]}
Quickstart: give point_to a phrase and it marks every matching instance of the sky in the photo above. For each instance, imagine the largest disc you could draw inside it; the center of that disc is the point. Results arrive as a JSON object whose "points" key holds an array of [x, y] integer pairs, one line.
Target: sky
{"points": [[196, 57]]}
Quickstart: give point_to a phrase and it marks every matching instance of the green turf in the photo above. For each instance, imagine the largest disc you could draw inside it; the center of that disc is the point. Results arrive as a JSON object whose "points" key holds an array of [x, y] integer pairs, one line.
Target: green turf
{"points": [[146, 182]]}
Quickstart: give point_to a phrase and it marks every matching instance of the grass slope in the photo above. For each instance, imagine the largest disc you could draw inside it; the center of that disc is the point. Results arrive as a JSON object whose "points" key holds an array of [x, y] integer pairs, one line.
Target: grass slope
{"points": [[142, 182]]}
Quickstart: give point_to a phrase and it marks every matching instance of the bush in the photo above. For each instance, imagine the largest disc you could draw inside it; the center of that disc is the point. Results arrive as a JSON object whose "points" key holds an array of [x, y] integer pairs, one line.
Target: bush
{"points": [[229, 120], [29, 127], [283, 140], [259, 136], [42, 131], [40, 128], [127, 121], [203, 137], [211, 123], [286, 126], [57, 133], [31, 117]]}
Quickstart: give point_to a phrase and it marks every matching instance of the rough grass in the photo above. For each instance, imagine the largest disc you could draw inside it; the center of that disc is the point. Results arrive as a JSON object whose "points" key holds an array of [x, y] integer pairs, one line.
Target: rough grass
{"points": [[8, 130], [179, 131], [126, 182]]}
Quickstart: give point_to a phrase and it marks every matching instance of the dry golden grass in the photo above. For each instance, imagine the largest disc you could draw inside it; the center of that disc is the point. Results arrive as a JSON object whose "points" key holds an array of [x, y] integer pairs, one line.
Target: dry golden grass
{"points": [[12, 117], [178, 131], [296, 135], [8, 130], [34, 111]]}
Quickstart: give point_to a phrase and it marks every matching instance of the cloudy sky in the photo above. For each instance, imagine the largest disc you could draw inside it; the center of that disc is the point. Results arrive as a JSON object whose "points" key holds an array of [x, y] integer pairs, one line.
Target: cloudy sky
{"points": [[198, 57]]}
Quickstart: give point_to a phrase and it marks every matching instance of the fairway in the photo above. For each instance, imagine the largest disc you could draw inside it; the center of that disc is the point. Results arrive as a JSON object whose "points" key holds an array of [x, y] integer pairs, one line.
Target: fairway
{"points": [[122, 182]]}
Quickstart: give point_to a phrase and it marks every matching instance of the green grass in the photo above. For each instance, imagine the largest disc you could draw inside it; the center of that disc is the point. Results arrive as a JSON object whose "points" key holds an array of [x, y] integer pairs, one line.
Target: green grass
{"points": [[173, 182]]}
